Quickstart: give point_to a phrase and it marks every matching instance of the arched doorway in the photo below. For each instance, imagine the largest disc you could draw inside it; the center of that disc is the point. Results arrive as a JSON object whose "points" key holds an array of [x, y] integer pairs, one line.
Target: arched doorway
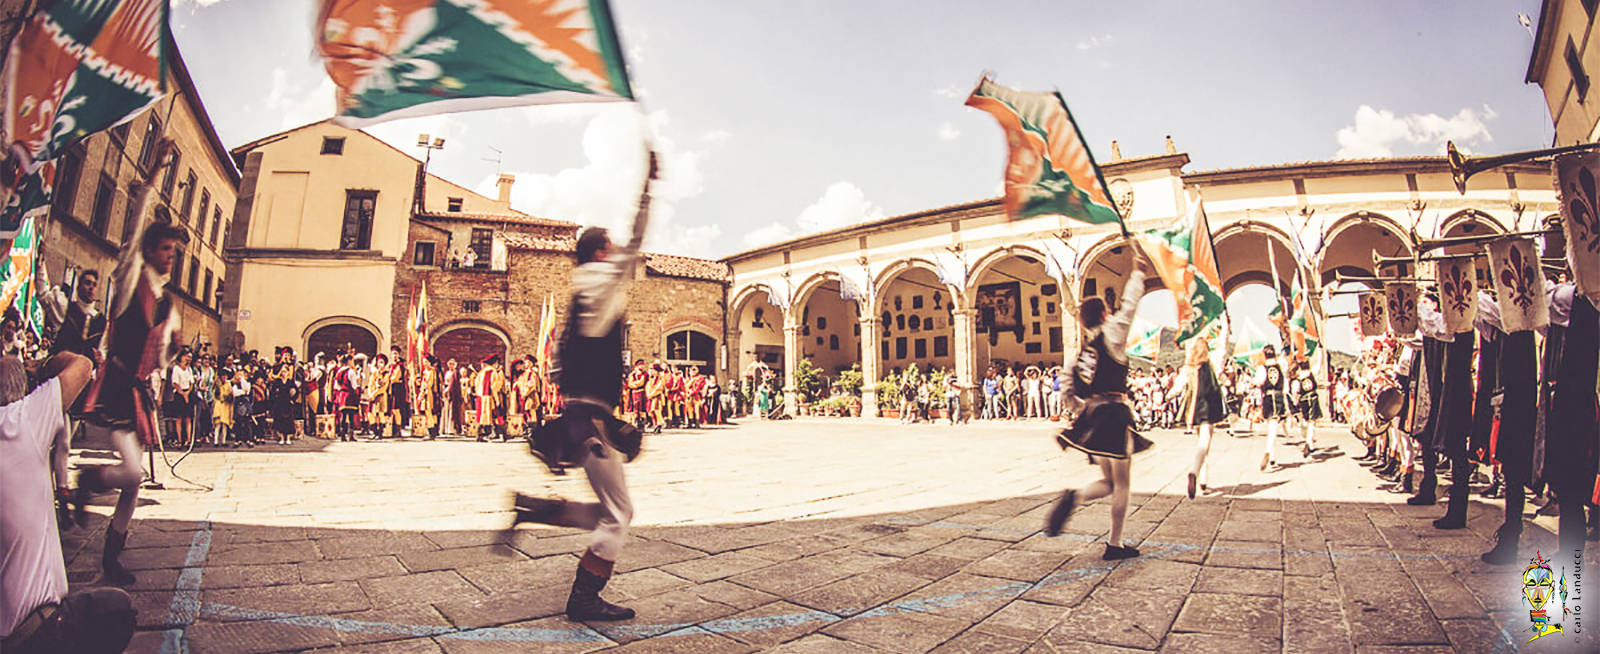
{"points": [[758, 330], [1352, 240], [469, 343], [1252, 252], [1019, 311], [830, 326], [1472, 223], [915, 314], [334, 338], [690, 347]]}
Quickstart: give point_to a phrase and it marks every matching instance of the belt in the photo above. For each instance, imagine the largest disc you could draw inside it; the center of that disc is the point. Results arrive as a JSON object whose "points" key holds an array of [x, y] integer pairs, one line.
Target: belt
{"points": [[30, 625]]}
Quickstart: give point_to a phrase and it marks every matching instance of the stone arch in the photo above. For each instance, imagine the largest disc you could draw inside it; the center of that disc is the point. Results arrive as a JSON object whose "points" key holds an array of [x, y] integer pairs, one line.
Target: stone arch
{"points": [[332, 332], [1370, 232], [803, 292], [915, 313], [1242, 256], [701, 351], [1103, 270], [829, 325], [470, 341], [996, 255], [1470, 222], [755, 332], [887, 276], [1015, 279]]}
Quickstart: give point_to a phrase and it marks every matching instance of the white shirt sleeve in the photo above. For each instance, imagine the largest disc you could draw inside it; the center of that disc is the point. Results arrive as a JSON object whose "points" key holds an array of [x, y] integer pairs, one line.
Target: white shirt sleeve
{"points": [[40, 418]]}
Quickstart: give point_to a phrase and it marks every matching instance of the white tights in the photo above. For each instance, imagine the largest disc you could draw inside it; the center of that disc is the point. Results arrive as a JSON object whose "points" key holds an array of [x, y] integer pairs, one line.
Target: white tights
{"points": [[1202, 449]]}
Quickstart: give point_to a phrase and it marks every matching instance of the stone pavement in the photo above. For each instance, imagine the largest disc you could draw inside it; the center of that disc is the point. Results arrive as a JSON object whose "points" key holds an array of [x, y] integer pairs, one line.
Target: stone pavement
{"points": [[815, 536]]}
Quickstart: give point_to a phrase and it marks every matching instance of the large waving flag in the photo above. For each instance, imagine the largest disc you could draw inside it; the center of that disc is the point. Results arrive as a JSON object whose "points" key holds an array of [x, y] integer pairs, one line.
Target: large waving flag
{"points": [[17, 277], [1185, 258], [74, 68], [1049, 171], [403, 58], [1144, 339]]}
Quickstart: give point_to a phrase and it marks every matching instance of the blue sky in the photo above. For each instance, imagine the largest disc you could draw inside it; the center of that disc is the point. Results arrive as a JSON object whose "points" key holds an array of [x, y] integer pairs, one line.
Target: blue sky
{"points": [[778, 118]]}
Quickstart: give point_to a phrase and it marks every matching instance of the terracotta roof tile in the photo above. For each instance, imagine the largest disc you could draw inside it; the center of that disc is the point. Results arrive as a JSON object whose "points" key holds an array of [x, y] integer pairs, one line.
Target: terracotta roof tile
{"points": [[513, 217], [519, 241], [673, 265]]}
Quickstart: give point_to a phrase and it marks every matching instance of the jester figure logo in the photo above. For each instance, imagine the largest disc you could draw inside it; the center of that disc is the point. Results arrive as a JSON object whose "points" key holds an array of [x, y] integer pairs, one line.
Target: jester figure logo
{"points": [[1546, 595]]}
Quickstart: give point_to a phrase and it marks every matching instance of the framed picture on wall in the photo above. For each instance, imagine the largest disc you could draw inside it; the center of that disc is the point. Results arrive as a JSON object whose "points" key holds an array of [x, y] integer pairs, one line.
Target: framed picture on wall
{"points": [[1000, 306]]}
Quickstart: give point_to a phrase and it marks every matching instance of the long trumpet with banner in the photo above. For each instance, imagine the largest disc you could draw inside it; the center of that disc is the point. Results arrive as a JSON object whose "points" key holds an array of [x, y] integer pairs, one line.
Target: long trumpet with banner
{"points": [[1578, 189], [1519, 284], [1373, 317]]}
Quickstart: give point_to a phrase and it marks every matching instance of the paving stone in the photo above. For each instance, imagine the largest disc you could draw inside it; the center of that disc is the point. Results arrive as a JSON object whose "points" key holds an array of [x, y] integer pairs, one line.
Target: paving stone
{"points": [[521, 574], [256, 553], [663, 613], [1446, 597], [651, 554], [555, 635], [1125, 618], [718, 566], [1154, 573], [1015, 564], [408, 646], [969, 548], [980, 642], [245, 576], [790, 577], [732, 594], [1072, 582], [859, 593], [251, 637], [391, 624], [1023, 620], [151, 557], [903, 544], [505, 608], [771, 624], [538, 543], [1240, 581], [430, 560], [898, 631], [794, 548], [692, 639], [301, 599], [927, 565], [642, 583], [373, 544], [153, 609], [1479, 635], [314, 572], [417, 588], [1246, 615], [1185, 643], [965, 597], [822, 644], [1243, 554]]}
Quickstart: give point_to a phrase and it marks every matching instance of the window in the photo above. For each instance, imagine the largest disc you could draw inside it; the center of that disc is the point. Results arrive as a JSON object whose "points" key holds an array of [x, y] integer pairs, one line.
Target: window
{"points": [[120, 132], [333, 145], [130, 217], [922, 348], [689, 347], [205, 298], [1580, 79], [483, 244], [216, 223], [152, 136], [900, 347], [455, 204], [177, 269], [67, 172], [100, 219], [471, 306], [822, 323], [189, 183], [833, 341], [358, 209], [194, 275], [172, 175], [1055, 339], [200, 218], [216, 299], [423, 256]]}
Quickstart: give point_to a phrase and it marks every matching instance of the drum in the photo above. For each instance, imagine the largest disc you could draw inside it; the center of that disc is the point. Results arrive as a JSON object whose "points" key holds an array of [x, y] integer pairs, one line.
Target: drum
{"points": [[325, 427], [1384, 393]]}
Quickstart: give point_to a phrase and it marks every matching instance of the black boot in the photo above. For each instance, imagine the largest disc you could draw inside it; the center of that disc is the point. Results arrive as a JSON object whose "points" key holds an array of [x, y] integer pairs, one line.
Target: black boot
{"points": [[112, 571], [1426, 495], [537, 510], [1405, 480], [1372, 452], [1493, 490], [1059, 514], [1505, 547], [585, 603]]}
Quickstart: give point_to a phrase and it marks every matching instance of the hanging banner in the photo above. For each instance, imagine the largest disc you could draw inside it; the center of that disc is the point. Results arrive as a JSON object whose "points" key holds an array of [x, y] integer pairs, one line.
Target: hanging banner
{"points": [[1373, 318], [1519, 284], [1400, 299], [1458, 293], [1578, 189]]}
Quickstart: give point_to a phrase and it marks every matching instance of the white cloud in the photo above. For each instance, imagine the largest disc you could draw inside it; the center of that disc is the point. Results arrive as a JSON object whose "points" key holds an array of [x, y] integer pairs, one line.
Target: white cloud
{"points": [[952, 91], [294, 103], [604, 190], [1095, 42], [842, 204], [772, 233], [715, 136], [948, 132], [1377, 132]]}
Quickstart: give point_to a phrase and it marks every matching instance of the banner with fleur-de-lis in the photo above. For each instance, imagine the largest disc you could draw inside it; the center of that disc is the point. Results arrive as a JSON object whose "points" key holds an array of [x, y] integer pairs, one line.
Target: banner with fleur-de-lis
{"points": [[1373, 318], [1400, 299], [1518, 284], [1578, 189], [1458, 293]]}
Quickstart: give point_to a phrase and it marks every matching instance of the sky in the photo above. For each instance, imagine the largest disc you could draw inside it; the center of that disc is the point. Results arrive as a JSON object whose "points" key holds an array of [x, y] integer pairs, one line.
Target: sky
{"points": [[776, 119]]}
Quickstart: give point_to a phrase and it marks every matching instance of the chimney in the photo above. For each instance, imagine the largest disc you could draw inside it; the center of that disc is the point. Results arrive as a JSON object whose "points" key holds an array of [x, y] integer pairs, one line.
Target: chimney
{"points": [[504, 184]]}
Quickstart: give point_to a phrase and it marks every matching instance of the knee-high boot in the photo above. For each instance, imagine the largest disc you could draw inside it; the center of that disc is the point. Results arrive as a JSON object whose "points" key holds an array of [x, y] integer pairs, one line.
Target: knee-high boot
{"points": [[112, 571]]}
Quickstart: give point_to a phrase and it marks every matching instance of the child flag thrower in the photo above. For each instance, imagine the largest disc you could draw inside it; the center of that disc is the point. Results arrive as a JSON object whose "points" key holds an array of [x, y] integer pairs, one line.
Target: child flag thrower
{"points": [[411, 58]]}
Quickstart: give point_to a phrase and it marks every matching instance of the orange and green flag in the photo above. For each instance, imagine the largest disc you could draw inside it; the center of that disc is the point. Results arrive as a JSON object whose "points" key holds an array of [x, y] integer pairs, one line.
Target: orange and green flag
{"points": [[405, 58], [1049, 170], [1185, 258]]}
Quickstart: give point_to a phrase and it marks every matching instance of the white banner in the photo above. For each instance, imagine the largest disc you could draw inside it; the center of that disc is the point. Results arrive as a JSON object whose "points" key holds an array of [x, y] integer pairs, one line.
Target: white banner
{"points": [[1373, 320], [1458, 293], [1519, 284], [1401, 304], [1577, 178]]}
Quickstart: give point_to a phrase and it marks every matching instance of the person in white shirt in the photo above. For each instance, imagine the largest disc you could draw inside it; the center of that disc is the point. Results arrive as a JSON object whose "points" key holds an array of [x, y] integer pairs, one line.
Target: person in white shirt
{"points": [[36, 612]]}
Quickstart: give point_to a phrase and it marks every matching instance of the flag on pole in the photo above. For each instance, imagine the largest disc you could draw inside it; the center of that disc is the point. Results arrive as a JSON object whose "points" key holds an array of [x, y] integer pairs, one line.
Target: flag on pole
{"points": [[1144, 339], [547, 351], [17, 288], [1251, 345], [417, 325], [1049, 170], [1185, 258], [74, 68], [404, 58]]}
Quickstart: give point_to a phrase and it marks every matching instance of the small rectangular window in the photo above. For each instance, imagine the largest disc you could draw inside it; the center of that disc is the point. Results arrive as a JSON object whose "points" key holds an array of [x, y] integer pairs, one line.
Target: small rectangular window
{"points": [[1580, 79], [900, 347], [455, 204], [941, 346], [130, 217], [194, 275], [171, 180], [205, 298], [188, 194], [333, 145], [1032, 348], [66, 185], [1055, 339], [482, 245], [152, 136], [216, 223], [424, 254], [471, 306], [177, 270], [884, 350], [200, 218]]}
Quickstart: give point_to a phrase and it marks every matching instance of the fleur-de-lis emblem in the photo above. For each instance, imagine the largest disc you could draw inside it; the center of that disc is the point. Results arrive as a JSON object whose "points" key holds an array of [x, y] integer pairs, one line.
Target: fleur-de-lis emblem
{"points": [[1401, 307], [1372, 311], [1517, 278], [1582, 197], [1457, 286]]}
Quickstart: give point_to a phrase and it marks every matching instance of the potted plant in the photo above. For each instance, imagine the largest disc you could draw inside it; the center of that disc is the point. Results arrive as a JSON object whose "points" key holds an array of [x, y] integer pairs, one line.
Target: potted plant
{"points": [[889, 396]]}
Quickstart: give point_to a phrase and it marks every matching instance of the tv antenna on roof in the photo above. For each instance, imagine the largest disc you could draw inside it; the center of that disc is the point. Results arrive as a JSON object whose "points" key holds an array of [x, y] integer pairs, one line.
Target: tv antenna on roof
{"points": [[496, 158]]}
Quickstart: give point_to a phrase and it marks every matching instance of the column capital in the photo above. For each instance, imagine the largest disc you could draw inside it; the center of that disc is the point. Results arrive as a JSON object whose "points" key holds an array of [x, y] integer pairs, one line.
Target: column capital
{"points": [[965, 313]]}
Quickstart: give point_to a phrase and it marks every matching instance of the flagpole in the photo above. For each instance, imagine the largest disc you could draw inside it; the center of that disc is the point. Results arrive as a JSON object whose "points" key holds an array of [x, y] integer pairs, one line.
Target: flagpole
{"points": [[1277, 294]]}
